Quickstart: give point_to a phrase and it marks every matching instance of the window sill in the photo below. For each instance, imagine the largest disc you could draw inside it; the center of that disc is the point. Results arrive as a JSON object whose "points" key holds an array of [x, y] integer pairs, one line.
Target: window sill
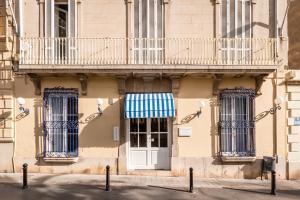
{"points": [[60, 160], [232, 159]]}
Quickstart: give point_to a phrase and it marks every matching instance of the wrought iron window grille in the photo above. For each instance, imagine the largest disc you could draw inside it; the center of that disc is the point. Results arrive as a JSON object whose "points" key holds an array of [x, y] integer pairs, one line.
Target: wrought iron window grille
{"points": [[237, 124], [60, 123]]}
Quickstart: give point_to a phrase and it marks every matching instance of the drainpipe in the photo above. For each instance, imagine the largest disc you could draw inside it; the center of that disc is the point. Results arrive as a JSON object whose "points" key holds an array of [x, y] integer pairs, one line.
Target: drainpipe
{"points": [[275, 81]]}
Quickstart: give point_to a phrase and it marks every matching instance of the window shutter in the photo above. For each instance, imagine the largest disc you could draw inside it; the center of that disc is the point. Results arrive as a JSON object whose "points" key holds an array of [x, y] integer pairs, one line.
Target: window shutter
{"points": [[49, 14], [72, 18]]}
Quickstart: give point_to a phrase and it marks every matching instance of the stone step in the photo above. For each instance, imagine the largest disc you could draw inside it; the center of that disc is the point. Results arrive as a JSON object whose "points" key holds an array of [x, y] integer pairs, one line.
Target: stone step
{"points": [[158, 173]]}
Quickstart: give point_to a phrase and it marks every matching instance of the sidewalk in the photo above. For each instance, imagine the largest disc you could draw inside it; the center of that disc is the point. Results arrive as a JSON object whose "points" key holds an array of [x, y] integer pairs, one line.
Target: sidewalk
{"points": [[70, 186]]}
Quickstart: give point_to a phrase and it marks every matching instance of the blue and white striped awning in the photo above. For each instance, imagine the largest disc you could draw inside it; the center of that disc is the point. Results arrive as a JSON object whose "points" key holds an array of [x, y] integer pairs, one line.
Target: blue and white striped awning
{"points": [[149, 105]]}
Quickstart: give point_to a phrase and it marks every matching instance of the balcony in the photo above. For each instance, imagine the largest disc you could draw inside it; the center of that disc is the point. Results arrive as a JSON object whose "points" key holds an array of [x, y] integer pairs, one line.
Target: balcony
{"points": [[136, 53]]}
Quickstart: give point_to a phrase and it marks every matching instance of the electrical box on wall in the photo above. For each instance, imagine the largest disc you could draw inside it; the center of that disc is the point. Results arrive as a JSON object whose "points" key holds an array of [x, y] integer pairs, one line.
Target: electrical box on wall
{"points": [[116, 134], [185, 132]]}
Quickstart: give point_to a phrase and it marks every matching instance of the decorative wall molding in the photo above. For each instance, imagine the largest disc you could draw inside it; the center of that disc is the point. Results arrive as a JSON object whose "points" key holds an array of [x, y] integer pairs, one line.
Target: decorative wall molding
{"points": [[83, 82], [175, 84], [37, 83], [259, 80], [217, 78], [121, 84]]}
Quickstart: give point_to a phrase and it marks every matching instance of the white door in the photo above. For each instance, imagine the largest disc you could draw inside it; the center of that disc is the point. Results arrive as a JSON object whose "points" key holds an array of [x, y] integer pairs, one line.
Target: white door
{"points": [[149, 142]]}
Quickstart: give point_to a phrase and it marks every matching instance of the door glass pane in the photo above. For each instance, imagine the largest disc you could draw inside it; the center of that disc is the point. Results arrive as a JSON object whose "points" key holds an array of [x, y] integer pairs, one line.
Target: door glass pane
{"points": [[143, 125], [164, 140], [133, 140], [143, 140], [154, 140], [163, 125], [154, 124], [133, 125]]}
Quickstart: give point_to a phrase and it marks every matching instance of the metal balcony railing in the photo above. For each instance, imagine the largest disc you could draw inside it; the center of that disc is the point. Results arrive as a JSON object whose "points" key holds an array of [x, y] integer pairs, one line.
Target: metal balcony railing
{"points": [[140, 51]]}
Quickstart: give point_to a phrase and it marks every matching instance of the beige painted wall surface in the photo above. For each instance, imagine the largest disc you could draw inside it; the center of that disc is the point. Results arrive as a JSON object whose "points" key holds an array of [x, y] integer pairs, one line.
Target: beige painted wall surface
{"points": [[103, 18], [31, 18], [190, 93], [95, 135], [188, 18], [202, 143]]}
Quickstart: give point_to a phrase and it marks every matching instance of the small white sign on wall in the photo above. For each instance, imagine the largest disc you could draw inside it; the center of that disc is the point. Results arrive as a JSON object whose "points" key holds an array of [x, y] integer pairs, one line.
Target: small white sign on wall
{"points": [[116, 133], [294, 121], [185, 132]]}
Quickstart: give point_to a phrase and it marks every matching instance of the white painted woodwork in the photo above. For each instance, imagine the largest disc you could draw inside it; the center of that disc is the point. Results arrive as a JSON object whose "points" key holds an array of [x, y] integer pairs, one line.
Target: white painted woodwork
{"points": [[172, 51], [149, 157]]}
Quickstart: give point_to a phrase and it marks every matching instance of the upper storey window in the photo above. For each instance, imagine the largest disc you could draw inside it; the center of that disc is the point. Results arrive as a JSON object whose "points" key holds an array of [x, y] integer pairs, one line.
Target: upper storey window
{"points": [[148, 31], [60, 18], [236, 18], [148, 19]]}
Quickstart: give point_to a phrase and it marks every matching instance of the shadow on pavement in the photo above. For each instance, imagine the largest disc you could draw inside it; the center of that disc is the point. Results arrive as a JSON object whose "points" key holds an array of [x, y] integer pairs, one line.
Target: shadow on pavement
{"points": [[168, 188], [292, 193], [247, 190]]}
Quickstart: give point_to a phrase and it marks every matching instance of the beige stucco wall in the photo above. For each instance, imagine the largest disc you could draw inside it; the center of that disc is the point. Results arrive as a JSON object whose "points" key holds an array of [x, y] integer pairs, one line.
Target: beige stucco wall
{"points": [[201, 149], [188, 18], [95, 133]]}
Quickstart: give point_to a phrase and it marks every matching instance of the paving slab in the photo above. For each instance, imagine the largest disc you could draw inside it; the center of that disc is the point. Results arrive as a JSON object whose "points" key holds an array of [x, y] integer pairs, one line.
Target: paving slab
{"points": [[89, 187]]}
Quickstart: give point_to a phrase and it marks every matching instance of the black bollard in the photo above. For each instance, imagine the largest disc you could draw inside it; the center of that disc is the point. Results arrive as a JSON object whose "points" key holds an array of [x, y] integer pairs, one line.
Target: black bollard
{"points": [[191, 181], [107, 185], [25, 185], [273, 182]]}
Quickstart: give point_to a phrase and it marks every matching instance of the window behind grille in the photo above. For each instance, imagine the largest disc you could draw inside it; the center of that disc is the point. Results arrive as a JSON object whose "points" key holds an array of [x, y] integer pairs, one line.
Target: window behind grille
{"points": [[61, 122], [237, 122]]}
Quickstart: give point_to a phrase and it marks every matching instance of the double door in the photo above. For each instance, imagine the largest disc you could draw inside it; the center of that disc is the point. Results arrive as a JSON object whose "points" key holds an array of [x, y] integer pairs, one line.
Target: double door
{"points": [[149, 142]]}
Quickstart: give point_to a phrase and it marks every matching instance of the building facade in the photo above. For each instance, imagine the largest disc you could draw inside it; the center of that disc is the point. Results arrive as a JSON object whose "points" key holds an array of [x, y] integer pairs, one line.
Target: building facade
{"points": [[155, 85], [292, 91]]}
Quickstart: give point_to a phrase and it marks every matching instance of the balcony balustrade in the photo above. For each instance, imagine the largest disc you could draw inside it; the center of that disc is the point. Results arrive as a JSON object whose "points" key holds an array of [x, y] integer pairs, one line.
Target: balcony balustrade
{"points": [[140, 51]]}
